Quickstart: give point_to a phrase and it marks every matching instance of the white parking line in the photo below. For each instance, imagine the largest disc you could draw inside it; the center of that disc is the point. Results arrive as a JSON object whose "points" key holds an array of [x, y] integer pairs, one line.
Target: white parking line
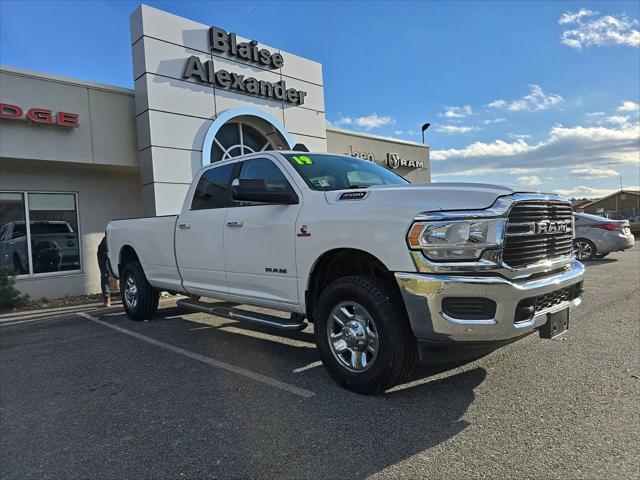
{"points": [[39, 319], [272, 382], [201, 328], [266, 336], [307, 367]]}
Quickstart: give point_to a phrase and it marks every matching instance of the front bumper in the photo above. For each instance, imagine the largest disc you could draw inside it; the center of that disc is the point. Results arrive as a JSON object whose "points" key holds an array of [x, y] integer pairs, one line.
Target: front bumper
{"points": [[423, 295]]}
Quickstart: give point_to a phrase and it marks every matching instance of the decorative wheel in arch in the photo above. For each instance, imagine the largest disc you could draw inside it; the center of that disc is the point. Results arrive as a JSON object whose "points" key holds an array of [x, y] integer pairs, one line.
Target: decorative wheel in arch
{"points": [[239, 138]]}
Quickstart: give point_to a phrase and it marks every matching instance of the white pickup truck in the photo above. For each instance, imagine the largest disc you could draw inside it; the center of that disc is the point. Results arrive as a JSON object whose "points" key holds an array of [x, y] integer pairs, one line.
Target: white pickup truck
{"points": [[388, 272]]}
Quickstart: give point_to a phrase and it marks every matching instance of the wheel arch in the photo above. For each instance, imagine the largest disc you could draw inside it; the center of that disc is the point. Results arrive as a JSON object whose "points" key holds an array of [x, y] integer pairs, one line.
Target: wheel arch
{"points": [[126, 256], [342, 262]]}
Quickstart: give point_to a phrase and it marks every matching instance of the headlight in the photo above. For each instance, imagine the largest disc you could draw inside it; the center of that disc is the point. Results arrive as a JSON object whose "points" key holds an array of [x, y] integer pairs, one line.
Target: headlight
{"points": [[456, 239]]}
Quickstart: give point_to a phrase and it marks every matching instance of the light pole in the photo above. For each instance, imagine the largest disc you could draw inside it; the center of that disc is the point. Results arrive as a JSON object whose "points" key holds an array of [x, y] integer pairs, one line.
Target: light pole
{"points": [[424, 128]]}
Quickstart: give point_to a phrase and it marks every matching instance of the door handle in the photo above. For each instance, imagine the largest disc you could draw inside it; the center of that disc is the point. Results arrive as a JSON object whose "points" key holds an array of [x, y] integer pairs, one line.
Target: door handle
{"points": [[234, 224], [184, 226]]}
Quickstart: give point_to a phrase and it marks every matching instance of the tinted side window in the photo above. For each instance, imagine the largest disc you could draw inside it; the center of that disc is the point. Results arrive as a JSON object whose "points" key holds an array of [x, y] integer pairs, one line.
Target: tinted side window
{"points": [[19, 230], [265, 169], [214, 189]]}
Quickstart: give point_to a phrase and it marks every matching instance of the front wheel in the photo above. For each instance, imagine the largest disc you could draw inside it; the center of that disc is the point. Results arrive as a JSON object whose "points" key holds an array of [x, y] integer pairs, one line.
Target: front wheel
{"points": [[363, 335], [585, 249], [139, 298]]}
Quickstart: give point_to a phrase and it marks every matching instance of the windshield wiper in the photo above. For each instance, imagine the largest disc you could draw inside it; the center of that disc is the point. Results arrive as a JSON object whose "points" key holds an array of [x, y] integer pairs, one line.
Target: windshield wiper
{"points": [[359, 186]]}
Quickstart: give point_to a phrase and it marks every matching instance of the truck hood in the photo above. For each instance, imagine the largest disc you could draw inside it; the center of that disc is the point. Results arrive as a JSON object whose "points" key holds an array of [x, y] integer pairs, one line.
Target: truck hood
{"points": [[426, 197]]}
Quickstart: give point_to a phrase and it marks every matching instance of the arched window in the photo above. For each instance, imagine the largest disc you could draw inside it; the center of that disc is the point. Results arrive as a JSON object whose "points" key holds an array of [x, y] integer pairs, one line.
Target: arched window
{"points": [[239, 138], [240, 131]]}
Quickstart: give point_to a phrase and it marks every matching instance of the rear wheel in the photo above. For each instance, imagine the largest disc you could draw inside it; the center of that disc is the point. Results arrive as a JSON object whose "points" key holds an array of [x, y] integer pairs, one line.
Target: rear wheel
{"points": [[363, 335], [139, 298], [584, 249]]}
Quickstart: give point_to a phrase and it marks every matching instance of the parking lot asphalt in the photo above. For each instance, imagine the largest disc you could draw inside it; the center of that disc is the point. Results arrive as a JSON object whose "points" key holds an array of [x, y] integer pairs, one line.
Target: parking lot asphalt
{"points": [[86, 393]]}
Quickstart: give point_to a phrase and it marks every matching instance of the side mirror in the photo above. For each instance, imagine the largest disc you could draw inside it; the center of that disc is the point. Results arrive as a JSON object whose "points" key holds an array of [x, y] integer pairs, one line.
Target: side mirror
{"points": [[255, 190]]}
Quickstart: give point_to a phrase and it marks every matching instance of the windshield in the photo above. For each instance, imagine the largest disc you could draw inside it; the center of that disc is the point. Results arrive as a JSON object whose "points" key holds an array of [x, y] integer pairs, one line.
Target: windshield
{"points": [[340, 172]]}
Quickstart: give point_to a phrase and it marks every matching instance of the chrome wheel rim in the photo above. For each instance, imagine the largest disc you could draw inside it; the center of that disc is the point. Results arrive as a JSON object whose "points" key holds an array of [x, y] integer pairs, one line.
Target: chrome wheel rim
{"points": [[353, 337], [131, 293], [583, 250]]}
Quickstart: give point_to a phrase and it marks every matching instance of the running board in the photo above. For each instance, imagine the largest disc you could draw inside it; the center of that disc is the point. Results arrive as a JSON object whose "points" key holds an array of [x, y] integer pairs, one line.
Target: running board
{"points": [[227, 310]]}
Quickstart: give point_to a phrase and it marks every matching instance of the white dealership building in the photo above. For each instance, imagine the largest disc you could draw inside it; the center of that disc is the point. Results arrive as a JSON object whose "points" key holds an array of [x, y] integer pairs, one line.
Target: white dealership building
{"points": [[76, 154]]}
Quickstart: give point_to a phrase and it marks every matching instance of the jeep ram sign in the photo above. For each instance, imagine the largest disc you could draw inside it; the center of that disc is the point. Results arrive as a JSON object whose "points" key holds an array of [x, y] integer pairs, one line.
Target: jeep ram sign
{"points": [[393, 160], [222, 41]]}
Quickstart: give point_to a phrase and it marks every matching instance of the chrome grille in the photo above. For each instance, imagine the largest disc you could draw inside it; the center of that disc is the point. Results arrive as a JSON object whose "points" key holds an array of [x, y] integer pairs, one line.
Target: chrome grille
{"points": [[538, 230]]}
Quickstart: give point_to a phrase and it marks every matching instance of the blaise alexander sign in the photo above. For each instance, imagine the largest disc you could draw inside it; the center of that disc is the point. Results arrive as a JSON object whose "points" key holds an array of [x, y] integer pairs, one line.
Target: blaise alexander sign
{"points": [[223, 42]]}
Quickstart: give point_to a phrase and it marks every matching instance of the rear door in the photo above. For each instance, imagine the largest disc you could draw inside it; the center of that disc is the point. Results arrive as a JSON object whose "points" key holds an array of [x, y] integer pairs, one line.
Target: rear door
{"points": [[260, 239], [199, 237]]}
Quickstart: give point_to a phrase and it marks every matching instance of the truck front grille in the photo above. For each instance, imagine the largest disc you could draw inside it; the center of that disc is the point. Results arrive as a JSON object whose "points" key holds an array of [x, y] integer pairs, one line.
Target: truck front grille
{"points": [[538, 230]]}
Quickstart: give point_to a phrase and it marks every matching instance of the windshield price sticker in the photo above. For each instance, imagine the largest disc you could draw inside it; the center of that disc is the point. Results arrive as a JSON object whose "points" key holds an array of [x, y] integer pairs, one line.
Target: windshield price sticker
{"points": [[302, 160]]}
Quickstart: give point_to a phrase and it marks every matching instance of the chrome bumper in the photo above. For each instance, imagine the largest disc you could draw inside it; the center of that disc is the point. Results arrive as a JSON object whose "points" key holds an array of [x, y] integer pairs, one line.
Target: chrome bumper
{"points": [[423, 295]]}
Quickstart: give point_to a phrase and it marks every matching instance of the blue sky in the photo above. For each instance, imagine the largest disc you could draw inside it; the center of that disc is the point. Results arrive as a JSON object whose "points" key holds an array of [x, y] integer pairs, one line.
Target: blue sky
{"points": [[540, 95]]}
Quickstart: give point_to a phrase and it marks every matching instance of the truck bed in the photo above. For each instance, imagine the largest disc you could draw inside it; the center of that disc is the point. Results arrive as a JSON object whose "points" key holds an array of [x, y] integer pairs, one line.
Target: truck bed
{"points": [[153, 240]]}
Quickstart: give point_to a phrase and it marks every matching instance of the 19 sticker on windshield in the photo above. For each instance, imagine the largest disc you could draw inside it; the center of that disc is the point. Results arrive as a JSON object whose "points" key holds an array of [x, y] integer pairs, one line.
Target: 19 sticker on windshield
{"points": [[302, 160]]}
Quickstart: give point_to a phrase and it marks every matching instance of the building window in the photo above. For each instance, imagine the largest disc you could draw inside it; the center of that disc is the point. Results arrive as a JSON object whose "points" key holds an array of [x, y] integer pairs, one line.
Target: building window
{"points": [[238, 138], [39, 233]]}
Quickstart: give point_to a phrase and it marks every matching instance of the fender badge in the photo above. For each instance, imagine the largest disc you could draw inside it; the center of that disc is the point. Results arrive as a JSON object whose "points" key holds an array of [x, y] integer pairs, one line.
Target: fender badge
{"points": [[304, 231], [353, 195]]}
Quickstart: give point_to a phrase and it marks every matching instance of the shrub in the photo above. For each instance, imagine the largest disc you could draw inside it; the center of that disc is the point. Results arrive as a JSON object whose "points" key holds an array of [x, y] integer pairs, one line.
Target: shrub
{"points": [[10, 297]]}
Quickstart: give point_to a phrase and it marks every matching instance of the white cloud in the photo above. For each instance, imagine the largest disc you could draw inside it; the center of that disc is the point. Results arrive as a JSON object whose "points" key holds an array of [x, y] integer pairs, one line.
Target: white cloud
{"points": [[457, 112], [455, 129], [342, 121], [591, 173], [617, 119], [523, 136], [595, 114], [629, 106], [398, 132], [529, 180], [498, 148], [573, 17], [494, 120], [573, 147], [501, 104], [585, 192], [601, 31], [369, 122], [536, 100]]}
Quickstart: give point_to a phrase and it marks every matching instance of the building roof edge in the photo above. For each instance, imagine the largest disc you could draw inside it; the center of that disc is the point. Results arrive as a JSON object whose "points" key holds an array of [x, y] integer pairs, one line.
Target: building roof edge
{"points": [[62, 79]]}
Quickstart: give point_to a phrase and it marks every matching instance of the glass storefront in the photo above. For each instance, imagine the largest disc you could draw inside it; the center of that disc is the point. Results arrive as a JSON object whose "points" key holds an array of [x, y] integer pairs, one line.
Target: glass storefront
{"points": [[39, 233]]}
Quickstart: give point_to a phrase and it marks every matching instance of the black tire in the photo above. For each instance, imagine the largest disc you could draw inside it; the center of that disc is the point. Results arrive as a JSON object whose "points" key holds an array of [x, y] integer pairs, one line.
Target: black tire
{"points": [[584, 249], [147, 299], [601, 255], [396, 348]]}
